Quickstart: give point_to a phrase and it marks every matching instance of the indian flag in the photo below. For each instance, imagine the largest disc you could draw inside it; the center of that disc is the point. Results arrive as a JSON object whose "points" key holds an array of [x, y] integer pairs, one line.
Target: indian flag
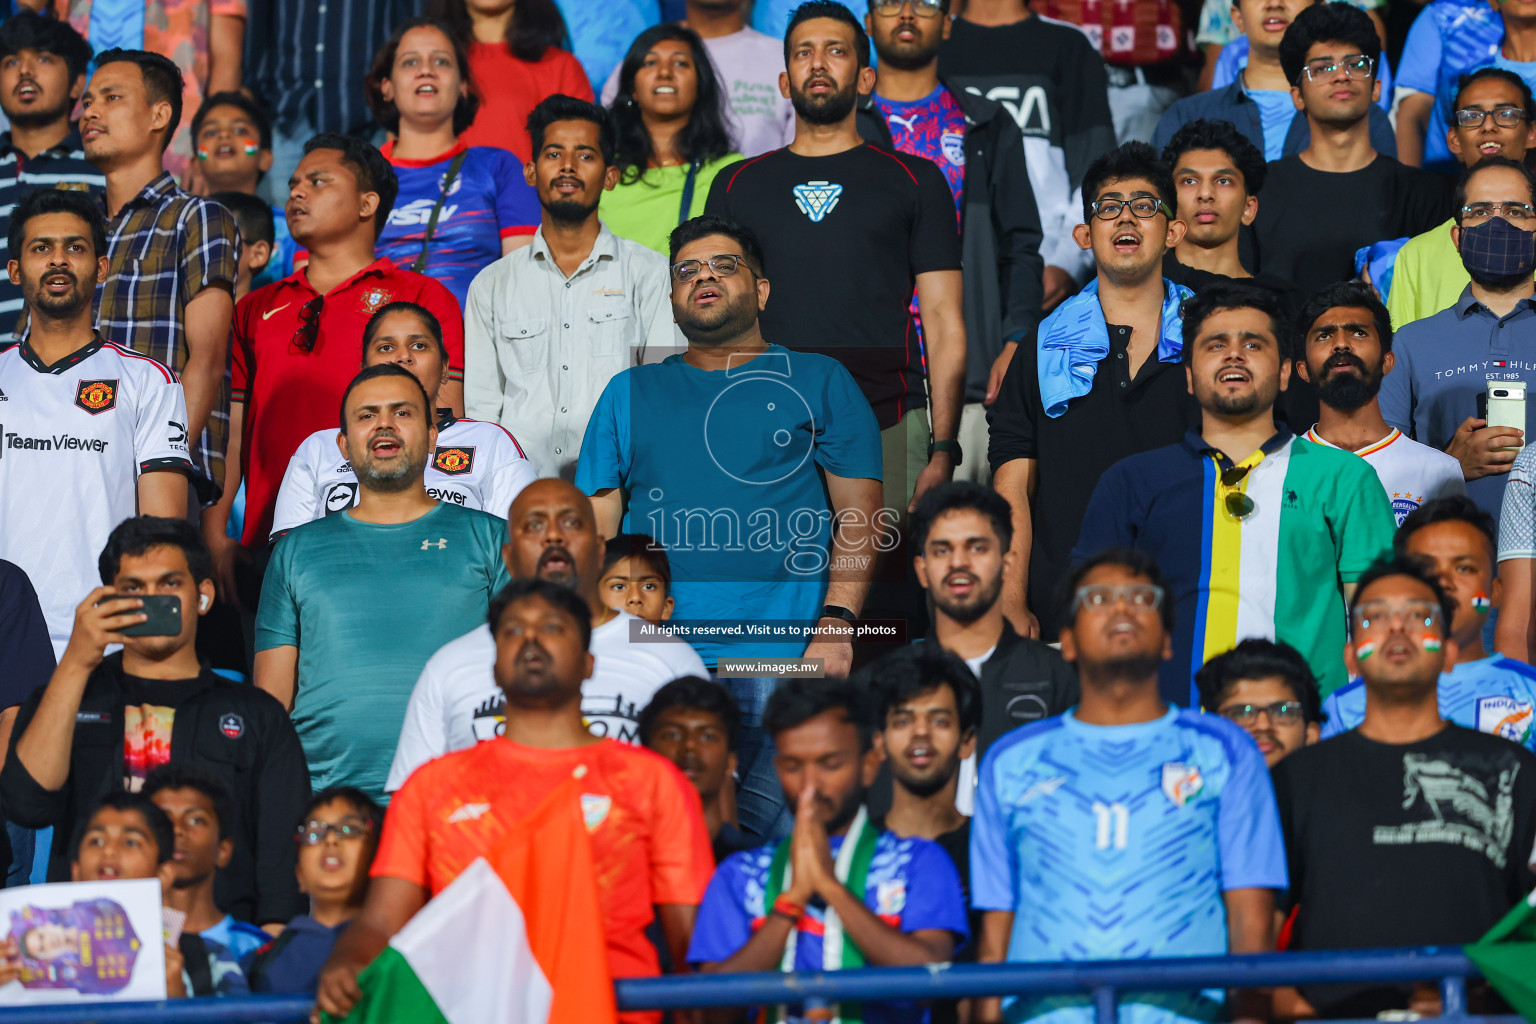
{"points": [[517, 938]]}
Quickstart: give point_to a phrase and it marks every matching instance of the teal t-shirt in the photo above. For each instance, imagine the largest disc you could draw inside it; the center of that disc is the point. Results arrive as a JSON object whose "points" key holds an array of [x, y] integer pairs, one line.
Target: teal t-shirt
{"points": [[1276, 112], [367, 605]]}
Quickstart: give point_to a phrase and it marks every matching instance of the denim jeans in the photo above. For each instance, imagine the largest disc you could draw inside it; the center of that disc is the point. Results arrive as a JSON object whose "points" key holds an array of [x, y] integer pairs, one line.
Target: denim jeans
{"points": [[760, 805]]}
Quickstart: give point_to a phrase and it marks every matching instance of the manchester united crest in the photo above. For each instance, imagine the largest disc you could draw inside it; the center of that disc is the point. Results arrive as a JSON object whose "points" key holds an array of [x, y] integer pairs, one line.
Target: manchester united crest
{"points": [[373, 298], [454, 461], [96, 396]]}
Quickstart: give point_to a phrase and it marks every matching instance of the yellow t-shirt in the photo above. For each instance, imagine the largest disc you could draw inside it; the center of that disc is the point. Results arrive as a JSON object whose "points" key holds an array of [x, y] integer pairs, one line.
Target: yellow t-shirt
{"points": [[1428, 277]]}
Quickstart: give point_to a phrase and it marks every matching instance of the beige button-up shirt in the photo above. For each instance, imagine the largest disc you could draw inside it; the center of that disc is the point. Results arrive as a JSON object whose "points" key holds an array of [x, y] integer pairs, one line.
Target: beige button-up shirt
{"points": [[539, 347]]}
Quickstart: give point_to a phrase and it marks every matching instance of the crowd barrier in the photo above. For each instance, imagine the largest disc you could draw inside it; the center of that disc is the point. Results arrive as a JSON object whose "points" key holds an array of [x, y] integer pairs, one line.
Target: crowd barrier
{"points": [[1100, 979]]}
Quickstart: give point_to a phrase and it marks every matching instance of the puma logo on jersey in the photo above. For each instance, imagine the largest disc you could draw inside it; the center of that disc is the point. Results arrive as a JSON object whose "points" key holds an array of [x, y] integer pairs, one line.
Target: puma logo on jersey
{"points": [[909, 123], [442, 542], [468, 812]]}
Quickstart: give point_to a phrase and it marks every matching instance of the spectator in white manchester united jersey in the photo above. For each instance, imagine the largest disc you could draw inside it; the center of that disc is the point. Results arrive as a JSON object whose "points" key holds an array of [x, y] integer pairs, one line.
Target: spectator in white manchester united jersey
{"points": [[552, 536], [90, 433], [1346, 351], [474, 464]]}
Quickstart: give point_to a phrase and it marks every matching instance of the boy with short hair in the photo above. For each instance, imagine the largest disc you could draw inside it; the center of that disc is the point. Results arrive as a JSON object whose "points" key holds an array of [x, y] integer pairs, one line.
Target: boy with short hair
{"points": [[232, 136], [1457, 542], [337, 838], [637, 577], [257, 224], [1268, 678], [195, 803]]}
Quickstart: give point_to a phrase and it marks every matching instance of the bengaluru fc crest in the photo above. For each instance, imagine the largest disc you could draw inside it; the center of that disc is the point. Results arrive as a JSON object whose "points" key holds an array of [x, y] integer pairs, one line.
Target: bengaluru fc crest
{"points": [[1181, 782], [96, 396]]}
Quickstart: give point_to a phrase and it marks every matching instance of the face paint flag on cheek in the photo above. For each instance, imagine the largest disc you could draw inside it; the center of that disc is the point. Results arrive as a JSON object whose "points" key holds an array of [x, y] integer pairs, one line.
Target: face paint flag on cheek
{"points": [[251, 149], [202, 154], [1481, 603], [1365, 650], [1431, 643]]}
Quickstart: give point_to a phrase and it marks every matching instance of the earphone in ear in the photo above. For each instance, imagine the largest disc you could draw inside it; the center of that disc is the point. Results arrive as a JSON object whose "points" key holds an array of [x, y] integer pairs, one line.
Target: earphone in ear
{"points": [[202, 603]]}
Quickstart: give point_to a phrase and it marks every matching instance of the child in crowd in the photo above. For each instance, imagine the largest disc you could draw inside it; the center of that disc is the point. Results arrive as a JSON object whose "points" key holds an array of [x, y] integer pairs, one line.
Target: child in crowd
{"points": [[257, 235], [637, 577], [213, 942], [233, 138], [337, 838]]}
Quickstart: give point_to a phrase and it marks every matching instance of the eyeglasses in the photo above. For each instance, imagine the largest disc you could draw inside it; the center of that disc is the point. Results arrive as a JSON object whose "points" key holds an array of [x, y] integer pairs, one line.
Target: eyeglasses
{"points": [[1356, 66], [1144, 597], [921, 8], [1515, 213], [309, 324], [1142, 208], [1237, 504], [1374, 615], [1282, 712], [1504, 117], [315, 832], [723, 265]]}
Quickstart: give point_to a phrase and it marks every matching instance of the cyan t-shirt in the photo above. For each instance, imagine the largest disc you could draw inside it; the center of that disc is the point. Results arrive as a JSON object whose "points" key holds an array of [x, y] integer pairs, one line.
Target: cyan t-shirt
{"points": [[1496, 695], [1276, 111], [721, 467], [367, 605]]}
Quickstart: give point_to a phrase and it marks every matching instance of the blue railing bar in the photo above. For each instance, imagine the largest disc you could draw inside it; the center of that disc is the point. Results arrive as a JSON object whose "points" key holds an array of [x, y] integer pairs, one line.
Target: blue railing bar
{"points": [[959, 981], [1453, 997], [1105, 1005], [243, 1010]]}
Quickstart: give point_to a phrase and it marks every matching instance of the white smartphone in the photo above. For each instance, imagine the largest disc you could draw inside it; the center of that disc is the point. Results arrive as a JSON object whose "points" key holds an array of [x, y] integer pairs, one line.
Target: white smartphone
{"points": [[1506, 406]]}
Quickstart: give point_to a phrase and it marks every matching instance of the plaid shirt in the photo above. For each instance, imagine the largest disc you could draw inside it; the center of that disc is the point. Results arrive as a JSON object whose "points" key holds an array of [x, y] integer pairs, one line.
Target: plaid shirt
{"points": [[167, 245]]}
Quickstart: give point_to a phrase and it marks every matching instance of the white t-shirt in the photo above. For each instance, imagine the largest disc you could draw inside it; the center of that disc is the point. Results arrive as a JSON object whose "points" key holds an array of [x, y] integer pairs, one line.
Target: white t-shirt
{"points": [[747, 65], [1412, 473], [74, 438], [456, 702], [965, 788], [476, 465]]}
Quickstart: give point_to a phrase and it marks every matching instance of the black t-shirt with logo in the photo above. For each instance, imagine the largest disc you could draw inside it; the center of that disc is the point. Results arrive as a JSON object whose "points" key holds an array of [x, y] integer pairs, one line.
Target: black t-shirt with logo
{"points": [[1418, 844], [844, 238]]}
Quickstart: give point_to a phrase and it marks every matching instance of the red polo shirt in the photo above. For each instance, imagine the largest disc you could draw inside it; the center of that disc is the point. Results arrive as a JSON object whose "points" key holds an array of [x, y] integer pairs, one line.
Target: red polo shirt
{"points": [[290, 393]]}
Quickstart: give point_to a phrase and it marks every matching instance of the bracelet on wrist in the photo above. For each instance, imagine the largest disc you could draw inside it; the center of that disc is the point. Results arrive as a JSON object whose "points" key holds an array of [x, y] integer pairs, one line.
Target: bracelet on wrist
{"points": [[788, 909]]}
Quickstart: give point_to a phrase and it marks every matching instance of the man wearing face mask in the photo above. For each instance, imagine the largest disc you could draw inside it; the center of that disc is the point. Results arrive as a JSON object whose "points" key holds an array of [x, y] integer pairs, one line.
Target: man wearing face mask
{"points": [[1490, 331]]}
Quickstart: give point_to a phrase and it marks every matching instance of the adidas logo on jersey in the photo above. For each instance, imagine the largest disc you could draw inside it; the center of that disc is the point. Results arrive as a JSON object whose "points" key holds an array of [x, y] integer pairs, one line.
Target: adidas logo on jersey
{"points": [[816, 199], [3, 398]]}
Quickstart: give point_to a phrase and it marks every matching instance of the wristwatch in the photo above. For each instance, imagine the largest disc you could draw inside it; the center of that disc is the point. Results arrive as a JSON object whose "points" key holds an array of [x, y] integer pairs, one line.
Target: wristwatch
{"points": [[953, 447], [837, 611]]}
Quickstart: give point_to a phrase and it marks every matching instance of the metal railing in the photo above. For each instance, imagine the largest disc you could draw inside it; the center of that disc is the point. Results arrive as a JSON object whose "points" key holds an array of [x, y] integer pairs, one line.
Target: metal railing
{"points": [[1102, 980]]}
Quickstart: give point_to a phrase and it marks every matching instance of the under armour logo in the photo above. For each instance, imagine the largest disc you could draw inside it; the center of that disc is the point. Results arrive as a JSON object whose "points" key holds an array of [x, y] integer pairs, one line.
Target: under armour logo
{"points": [[442, 542], [816, 199]]}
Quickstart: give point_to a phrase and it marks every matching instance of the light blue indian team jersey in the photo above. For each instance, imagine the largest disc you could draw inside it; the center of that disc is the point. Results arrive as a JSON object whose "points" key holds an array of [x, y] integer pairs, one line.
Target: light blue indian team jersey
{"points": [[1117, 842], [1496, 695]]}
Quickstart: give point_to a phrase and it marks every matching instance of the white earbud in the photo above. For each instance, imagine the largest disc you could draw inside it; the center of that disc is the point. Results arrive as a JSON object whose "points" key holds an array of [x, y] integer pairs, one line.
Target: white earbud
{"points": [[202, 603]]}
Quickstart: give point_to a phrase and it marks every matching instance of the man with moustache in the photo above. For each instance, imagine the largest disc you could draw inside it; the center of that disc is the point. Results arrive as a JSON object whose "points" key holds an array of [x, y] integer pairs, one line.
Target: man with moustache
{"points": [[552, 535], [324, 647], [42, 73], [1268, 689], [850, 229], [546, 326], [1347, 352], [1259, 532], [1491, 331], [962, 533], [771, 447], [650, 849]]}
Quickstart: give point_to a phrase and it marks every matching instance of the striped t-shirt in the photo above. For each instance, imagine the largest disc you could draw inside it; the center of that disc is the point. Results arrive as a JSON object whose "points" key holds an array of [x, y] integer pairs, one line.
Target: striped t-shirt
{"points": [[1319, 519]]}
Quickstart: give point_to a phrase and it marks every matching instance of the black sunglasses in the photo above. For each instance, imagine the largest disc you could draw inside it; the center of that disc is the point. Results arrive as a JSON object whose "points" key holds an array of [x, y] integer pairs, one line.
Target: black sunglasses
{"points": [[1239, 505], [309, 324]]}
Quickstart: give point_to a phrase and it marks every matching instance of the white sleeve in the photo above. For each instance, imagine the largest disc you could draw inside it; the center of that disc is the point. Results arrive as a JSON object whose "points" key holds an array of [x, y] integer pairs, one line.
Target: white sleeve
{"points": [[483, 382], [423, 735], [298, 499], [160, 431], [653, 304], [509, 475], [610, 88]]}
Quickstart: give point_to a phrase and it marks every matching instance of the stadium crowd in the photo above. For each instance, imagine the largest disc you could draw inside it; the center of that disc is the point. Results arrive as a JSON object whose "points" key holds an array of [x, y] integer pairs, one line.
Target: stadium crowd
{"points": [[952, 479]]}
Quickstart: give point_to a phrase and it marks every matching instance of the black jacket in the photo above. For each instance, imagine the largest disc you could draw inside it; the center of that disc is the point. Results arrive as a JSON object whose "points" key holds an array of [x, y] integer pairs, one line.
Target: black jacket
{"points": [[237, 733], [1024, 681], [1003, 266]]}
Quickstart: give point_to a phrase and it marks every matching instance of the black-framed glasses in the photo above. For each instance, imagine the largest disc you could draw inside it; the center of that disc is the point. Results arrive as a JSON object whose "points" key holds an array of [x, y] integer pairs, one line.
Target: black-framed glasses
{"points": [[1140, 596], [723, 265], [314, 833], [1356, 66], [1281, 712], [1238, 505], [309, 324], [1515, 213], [1142, 208], [1504, 117], [921, 8]]}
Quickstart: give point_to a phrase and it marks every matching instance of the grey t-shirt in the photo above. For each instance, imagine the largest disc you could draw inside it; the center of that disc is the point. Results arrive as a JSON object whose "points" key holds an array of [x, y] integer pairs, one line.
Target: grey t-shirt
{"points": [[1517, 526]]}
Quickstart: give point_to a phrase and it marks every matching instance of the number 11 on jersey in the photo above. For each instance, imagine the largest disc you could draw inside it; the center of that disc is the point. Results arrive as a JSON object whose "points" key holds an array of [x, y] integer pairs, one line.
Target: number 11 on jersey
{"points": [[1114, 825]]}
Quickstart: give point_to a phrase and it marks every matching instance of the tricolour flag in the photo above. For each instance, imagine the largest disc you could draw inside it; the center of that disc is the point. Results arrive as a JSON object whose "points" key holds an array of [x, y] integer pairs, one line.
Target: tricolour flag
{"points": [[1507, 957], [515, 939]]}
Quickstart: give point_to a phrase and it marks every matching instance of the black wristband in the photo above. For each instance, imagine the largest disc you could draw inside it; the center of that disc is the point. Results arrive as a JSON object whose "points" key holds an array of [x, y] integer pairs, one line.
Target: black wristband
{"points": [[837, 611], [952, 447]]}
